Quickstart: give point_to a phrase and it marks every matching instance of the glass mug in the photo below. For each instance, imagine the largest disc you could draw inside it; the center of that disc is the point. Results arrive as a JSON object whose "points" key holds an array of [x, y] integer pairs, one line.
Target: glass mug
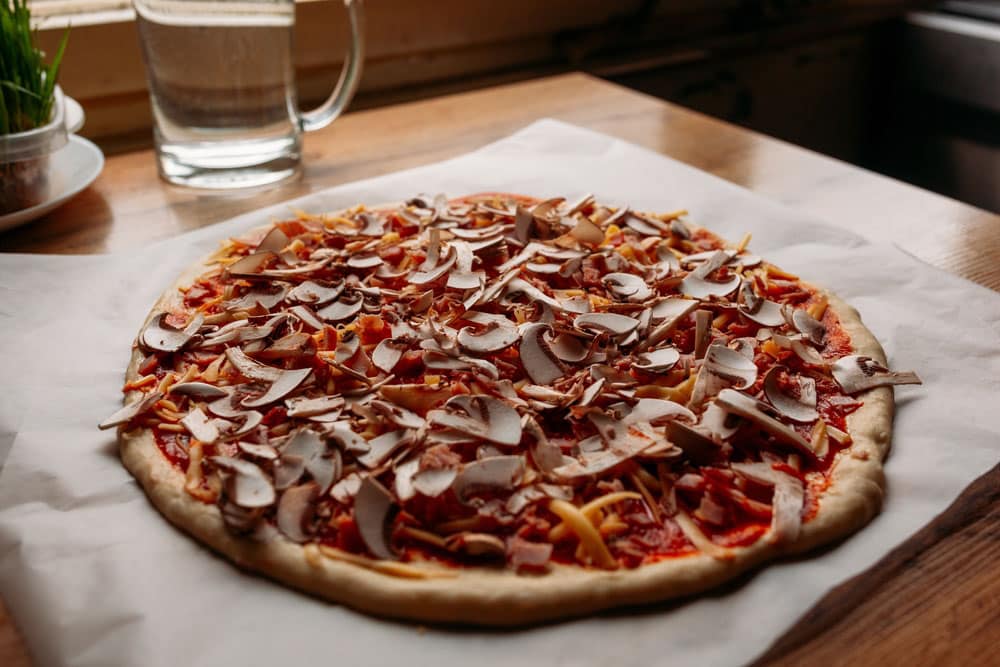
{"points": [[222, 86]]}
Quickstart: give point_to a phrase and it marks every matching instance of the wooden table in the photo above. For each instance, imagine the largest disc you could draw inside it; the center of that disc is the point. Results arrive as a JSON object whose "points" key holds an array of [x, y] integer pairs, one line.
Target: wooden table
{"points": [[935, 599]]}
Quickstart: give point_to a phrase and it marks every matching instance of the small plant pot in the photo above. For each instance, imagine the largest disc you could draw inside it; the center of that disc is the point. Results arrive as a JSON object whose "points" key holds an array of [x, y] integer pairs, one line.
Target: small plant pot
{"points": [[24, 156]]}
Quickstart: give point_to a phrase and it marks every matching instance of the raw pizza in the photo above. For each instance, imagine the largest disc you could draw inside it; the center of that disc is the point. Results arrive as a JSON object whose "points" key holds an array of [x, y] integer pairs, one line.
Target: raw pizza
{"points": [[499, 410]]}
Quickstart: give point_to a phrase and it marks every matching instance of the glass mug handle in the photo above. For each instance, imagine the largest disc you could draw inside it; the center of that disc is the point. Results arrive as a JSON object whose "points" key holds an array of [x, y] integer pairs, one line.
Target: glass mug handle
{"points": [[350, 75]]}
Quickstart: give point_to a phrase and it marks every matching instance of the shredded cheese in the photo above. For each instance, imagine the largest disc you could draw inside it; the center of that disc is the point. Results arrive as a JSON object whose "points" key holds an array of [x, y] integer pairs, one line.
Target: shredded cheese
{"points": [[818, 308], [194, 475], [590, 539], [744, 242]]}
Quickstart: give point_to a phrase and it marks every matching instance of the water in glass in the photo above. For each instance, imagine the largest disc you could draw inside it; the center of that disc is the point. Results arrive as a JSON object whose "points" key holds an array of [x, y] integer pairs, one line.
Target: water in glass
{"points": [[222, 87]]}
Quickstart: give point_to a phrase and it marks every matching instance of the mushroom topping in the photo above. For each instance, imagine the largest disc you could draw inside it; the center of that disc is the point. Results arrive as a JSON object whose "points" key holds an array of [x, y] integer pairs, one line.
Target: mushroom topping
{"points": [[401, 417], [264, 297], [132, 410], [669, 312], [807, 324], [501, 473], [284, 384], [463, 277], [477, 544], [425, 276], [295, 510], [346, 307], [612, 323], [537, 357], [698, 448], [855, 373], [658, 361], [434, 481], [381, 447], [485, 417], [494, 338], [250, 368], [787, 503], [316, 293], [546, 455], [519, 286], [307, 407], [749, 299], [416, 397], [307, 317], [744, 406], [768, 314], [702, 332], [627, 286], [262, 452], [717, 423], [801, 408], [729, 366], [569, 348], [698, 287], [162, 337], [197, 390], [373, 506], [523, 222], [244, 483], [364, 261], [342, 433], [274, 241], [587, 232], [388, 352], [294, 345], [657, 411], [251, 265], [200, 427]]}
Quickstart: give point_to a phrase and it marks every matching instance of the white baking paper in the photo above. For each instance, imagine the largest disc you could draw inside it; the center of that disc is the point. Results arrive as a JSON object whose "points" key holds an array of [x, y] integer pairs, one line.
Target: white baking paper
{"points": [[94, 576]]}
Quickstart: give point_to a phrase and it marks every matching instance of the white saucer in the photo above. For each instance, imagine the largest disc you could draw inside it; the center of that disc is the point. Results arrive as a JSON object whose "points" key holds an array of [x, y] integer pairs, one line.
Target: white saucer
{"points": [[73, 168]]}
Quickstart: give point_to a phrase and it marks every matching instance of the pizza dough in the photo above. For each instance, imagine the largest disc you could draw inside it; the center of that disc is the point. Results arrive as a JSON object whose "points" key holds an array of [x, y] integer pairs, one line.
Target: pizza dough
{"points": [[458, 548]]}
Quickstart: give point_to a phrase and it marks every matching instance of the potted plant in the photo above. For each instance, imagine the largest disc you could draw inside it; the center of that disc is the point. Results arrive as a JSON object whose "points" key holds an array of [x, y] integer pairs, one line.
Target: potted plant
{"points": [[32, 110]]}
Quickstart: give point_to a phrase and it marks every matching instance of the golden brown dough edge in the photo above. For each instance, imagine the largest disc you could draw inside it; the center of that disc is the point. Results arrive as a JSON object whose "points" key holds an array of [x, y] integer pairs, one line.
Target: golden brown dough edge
{"points": [[493, 597]]}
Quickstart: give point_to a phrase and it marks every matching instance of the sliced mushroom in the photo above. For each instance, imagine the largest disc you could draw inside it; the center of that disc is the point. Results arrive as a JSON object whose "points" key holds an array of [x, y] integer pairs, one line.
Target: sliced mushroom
{"points": [[768, 314], [308, 407], [316, 293], [399, 416], [265, 297], [434, 481], [201, 390], [373, 507], [702, 332], [494, 338], [481, 545], [612, 323], [200, 426], [787, 502], [745, 406], [856, 373], [657, 411], [284, 384], [364, 261], [701, 288], [425, 276], [274, 241], [250, 368], [344, 308], [132, 410], [162, 337], [416, 397], [245, 484], [718, 423], [251, 265], [669, 312], [569, 348], [806, 324], [658, 361], [388, 352], [587, 232], [627, 286], [698, 448], [292, 346], [537, 357], [381, 448], [546, 455], [295, 510], [500, 473], [800, 409], [748, 298]]}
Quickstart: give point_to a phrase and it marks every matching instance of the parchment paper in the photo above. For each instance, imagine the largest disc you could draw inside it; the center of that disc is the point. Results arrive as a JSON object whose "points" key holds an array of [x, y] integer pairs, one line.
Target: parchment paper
{"points": [[94, 576]]}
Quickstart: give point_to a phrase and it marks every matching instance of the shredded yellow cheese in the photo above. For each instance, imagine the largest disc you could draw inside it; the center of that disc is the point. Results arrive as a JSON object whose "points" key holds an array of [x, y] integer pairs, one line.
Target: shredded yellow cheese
{"points": [[818, 308], [424, 536], [590, 539], [744, 242], [194, 476]]}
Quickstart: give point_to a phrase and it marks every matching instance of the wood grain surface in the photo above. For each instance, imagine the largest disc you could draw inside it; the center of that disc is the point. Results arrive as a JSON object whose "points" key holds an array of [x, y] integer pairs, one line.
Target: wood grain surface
{"points": [[934, 600]]}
